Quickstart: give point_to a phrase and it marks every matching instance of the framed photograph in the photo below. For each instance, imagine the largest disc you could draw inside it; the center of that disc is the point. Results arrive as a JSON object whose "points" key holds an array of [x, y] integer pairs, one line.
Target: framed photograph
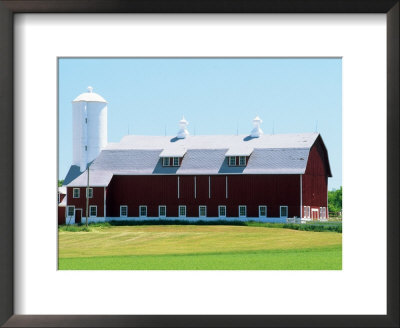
{"points": [[130, 140]]}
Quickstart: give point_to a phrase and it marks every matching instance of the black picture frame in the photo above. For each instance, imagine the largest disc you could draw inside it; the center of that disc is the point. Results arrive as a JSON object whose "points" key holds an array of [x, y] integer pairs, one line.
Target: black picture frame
{"points": [[10, 7]]}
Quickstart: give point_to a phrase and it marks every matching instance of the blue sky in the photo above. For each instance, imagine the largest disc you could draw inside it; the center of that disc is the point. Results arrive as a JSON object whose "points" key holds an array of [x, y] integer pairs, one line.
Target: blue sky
{"points": [[148, 96]]}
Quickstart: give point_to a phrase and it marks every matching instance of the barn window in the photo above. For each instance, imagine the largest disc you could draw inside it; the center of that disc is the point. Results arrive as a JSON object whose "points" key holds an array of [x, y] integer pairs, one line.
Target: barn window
{"points": [[75, 193], [262, 211], [232, 161], [202, 211], [165, 161], [284, 211], [93, 210], [123, 211], [242, 211], [182, 210], [307, 212], [222, 211], [175, 161], [70, 210], [162, 211], [142, 210], [242, 160], [322, 214], [89, 192]]}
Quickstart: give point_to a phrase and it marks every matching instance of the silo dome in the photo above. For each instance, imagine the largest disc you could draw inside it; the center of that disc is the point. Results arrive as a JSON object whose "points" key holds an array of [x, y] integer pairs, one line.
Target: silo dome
{"points": [[89, 116], [90, 96]]}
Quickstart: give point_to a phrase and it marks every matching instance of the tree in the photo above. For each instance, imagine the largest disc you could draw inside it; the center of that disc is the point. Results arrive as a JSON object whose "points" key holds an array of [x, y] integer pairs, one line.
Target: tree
{"points": [[60, 182], [335, 200]]}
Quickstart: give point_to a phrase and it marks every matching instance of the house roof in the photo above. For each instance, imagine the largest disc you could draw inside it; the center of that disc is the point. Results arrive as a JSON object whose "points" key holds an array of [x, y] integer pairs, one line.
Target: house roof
{"points": [[140, 155]]}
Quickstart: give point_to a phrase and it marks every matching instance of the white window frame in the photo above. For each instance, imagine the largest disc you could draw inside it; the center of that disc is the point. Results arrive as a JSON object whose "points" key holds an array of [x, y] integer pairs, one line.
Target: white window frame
{"points": [[159, 212], [73, 193], [165, 161], [90, 211], [322, 212], [140, 211], [240, 160], [280, 211], [229, 160], [68, 207], [175, 159], [179, 211], [245, 211], [259, 211], [88, 192], [307, 211], [219, 211], [205, 211], [120, 211]]}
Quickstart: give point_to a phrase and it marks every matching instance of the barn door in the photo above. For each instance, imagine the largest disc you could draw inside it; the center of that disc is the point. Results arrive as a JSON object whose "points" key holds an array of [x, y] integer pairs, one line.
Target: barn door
{"points": [[314, 214], [78, 215]]}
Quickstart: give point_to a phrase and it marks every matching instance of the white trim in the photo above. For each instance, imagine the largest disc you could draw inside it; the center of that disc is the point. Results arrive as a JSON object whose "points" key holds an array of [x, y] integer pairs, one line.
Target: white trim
{"points": [[165, 161], [73, 192], [306, 209], [120, 211], [241, 157], [219, 213], [73, 215], [301, 196], [203, 216], [162, 216], [90, 211], [280, 211], [314, 210], [173, 161], [140, 211], [259, 212], [178, 186], [179, 211], [245, 211], [229, 160]]}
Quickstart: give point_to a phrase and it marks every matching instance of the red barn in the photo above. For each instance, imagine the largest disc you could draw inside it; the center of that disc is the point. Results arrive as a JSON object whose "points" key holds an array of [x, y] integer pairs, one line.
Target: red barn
{"points": [[270, 178]]}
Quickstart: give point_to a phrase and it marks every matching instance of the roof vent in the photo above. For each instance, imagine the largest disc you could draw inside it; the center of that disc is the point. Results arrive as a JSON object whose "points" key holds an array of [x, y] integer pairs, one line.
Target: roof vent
{"points": [[256, 132], [183, 132]]}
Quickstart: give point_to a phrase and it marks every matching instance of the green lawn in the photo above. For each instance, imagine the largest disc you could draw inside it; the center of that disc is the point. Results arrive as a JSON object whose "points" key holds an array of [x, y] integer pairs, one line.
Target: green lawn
{"points": [[191, 247]]}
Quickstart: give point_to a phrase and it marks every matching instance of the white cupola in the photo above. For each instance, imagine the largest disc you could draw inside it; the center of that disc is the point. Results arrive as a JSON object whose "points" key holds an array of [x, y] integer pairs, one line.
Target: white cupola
{"points": [[89, 127], [256, 132], [183, 132]]}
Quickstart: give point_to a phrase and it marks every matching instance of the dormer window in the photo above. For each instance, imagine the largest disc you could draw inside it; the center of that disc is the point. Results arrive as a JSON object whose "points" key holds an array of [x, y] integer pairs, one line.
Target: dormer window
{"points": [[232, 160], [165, 161], [237, 160], [242, 160], [171, 161]]}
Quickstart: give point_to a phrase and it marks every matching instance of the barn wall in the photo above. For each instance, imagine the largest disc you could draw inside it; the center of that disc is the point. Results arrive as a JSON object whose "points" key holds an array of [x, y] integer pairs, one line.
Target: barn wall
{"points": [[315, 179], [250, 190], [61, 214], [98, 200]]}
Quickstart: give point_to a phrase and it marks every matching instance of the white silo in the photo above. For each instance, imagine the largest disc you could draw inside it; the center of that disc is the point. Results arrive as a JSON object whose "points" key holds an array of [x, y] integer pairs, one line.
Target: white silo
{"points": [[89, 127]]}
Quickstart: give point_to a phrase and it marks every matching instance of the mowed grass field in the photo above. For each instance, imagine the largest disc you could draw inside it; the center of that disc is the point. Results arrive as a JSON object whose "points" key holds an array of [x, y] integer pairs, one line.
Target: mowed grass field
{"points": [[193, 247]]}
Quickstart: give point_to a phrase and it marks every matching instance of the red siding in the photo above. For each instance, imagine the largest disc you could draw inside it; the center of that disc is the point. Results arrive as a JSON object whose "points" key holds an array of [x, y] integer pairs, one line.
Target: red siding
{"points": [[315, 179], [98, 200], [61, 214], [249, 190]]}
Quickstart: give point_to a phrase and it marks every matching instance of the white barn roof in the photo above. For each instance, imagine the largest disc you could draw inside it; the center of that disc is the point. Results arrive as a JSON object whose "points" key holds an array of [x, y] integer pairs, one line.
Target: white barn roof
{"points": [[140, 155]]}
